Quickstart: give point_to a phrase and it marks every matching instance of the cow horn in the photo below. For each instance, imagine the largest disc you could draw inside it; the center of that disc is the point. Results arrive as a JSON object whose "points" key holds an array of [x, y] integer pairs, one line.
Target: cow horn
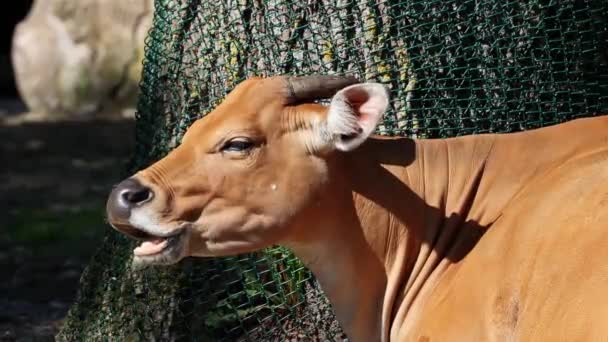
{"points": [[306, 88]]}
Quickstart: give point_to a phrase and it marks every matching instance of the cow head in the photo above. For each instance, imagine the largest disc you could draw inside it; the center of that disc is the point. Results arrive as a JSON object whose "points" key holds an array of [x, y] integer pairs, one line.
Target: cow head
{"points": [[244, 173]]}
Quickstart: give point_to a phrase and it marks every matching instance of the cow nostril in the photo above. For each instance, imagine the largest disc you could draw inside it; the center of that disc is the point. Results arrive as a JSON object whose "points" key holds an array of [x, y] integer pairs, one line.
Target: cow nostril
{"points": [[128, 194], [136, 196]]}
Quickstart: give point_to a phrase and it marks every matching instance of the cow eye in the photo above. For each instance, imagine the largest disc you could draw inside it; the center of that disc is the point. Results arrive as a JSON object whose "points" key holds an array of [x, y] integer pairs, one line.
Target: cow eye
{"points": [[237, 145]]}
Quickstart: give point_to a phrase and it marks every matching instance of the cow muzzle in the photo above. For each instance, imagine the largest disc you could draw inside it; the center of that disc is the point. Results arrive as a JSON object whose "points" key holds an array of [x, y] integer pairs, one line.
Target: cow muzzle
{"points": [[126, 196], [158, 244]]}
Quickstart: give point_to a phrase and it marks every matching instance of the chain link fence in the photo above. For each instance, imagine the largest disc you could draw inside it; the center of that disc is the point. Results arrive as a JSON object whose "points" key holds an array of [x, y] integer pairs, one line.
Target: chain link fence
{"points": [[452, 67]]}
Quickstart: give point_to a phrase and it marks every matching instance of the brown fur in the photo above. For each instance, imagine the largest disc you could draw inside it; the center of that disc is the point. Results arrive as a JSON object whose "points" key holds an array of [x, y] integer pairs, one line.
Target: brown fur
{"points": [[476, 238]]}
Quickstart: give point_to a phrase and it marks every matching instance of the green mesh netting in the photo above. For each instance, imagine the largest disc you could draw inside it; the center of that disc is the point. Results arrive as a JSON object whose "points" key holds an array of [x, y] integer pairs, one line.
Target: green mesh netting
{"points": [[453, 68]]}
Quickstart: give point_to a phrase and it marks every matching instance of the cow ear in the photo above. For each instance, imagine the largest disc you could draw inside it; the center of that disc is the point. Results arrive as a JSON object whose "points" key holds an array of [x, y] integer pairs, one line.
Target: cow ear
{"points": [[354, 113]]}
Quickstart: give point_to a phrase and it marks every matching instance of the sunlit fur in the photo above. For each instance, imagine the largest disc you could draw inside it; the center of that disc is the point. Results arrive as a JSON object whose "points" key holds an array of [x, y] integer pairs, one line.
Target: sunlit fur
{"points": [[478, 238], [233, 202]]}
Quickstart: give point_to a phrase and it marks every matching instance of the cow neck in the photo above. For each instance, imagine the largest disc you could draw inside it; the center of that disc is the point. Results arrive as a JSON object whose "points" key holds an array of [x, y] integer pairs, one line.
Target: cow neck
{"points": [[380, 234], [331, 243]]}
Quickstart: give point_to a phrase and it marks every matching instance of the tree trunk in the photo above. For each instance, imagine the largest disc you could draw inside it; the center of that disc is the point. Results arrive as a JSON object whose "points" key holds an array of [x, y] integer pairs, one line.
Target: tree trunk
{"points": [[452, 67]]}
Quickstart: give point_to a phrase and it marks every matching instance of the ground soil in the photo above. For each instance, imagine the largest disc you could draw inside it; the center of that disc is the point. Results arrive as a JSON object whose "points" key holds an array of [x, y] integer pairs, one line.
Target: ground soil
{"points": [[54, 178]]}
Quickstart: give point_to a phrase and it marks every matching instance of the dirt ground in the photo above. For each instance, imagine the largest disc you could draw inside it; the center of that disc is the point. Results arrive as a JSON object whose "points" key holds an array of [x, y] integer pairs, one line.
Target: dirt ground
{"points": [[54, 178]]}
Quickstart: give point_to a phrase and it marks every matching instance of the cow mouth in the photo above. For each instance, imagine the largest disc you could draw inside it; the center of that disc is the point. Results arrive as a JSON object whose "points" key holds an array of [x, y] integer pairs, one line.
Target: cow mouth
{"points": [[153, 246]]}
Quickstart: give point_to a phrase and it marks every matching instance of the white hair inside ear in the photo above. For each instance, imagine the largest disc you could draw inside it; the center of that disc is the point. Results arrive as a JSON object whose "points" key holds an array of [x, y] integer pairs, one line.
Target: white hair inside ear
{"points": [[354, 113]]}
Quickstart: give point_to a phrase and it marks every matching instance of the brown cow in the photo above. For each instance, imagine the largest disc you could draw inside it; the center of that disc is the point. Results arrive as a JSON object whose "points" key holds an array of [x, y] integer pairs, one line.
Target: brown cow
{"points": [[478, 238]]}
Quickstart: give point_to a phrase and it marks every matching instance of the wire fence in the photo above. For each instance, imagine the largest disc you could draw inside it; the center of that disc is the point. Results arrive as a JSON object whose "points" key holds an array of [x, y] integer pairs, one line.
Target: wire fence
{"points": [[452, 67]]}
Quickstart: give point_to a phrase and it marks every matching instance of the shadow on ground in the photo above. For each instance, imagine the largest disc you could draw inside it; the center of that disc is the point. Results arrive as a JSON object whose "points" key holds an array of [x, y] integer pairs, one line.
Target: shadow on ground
{"points": [[54, 178]]}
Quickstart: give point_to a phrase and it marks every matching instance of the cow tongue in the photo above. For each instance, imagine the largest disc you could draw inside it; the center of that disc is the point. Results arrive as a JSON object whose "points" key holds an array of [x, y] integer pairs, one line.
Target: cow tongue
{"points": [[150, 247]]}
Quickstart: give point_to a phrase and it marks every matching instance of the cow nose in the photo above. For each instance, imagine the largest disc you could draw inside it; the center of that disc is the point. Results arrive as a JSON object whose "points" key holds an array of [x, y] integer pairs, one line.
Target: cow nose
{"points": [[127, 195]]}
